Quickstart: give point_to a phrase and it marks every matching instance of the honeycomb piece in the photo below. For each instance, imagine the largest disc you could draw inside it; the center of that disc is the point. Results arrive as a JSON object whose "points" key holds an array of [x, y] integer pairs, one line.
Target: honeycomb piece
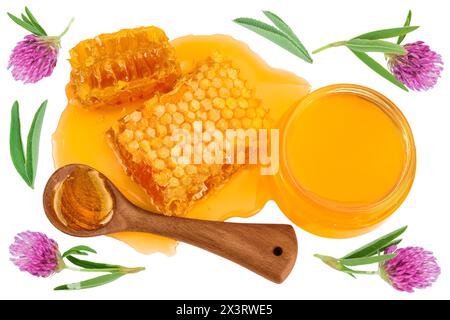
{"points": [[120, 67], [214, 95]]}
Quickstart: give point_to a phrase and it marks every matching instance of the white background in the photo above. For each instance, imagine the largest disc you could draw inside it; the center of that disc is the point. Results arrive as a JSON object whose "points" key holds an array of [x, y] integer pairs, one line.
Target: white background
{"points": [[193, 273]]}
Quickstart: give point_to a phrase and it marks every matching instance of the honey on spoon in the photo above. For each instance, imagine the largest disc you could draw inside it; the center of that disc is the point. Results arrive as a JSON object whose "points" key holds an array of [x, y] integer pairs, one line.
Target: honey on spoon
{"points": [[80, 201]]}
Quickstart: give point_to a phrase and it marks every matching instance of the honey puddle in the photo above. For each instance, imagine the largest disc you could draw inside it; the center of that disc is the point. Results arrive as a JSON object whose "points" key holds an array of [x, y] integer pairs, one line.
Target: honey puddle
{"points": [[81, 138]]}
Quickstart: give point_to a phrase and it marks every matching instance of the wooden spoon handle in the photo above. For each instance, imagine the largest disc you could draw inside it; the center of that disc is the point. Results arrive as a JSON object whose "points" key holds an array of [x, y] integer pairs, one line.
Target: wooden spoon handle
{"points": [[269, 250]]}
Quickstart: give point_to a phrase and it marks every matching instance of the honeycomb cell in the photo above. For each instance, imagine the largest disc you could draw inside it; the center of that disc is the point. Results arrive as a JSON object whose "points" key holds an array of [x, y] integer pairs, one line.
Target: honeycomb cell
{"points": [[128, 65], [199, 98]]}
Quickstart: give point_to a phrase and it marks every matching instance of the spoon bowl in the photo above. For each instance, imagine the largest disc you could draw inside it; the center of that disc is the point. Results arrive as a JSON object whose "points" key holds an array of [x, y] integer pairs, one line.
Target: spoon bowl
{"points": [[269, 250]]}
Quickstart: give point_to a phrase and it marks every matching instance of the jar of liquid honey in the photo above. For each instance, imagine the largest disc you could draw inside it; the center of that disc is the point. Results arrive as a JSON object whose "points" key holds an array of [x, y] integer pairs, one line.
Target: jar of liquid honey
{"points": [[344, 156], [347, 161]]}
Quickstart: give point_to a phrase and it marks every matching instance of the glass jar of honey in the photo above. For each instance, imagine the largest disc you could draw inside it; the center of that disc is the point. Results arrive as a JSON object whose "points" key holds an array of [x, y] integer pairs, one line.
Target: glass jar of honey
{"points": [[347, 161]]}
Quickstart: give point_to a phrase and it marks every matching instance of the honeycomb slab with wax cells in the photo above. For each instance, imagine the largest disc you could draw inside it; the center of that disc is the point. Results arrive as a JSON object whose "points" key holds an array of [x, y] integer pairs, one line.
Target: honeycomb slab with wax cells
{"points": [[124, 66], [213, 94]]}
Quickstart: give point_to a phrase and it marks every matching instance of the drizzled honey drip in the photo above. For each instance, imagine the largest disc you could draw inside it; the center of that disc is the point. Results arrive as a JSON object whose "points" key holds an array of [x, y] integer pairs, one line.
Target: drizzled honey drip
{"points": [[125, 66], [82, 201]]}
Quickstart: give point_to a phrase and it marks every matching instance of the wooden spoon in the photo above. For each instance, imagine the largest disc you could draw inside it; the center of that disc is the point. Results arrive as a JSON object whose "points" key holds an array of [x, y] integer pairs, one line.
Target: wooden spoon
{"points": [[269, 250]]}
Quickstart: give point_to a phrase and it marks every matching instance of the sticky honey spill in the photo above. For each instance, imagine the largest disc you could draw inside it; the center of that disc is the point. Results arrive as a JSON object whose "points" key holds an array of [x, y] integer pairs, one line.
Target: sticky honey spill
{"points": [[82, 200], [347, 157], [275, 90]]}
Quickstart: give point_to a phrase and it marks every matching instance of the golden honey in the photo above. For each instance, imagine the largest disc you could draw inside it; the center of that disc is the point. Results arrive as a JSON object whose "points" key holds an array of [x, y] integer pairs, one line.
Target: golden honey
{"points": [[82, 201], [347, 156], [347, 161], [214, 98], [276, 89], [132, 64]]}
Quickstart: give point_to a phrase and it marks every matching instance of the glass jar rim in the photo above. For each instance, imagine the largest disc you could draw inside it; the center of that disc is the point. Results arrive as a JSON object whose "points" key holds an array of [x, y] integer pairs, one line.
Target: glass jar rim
{"points": [[406, 178]]}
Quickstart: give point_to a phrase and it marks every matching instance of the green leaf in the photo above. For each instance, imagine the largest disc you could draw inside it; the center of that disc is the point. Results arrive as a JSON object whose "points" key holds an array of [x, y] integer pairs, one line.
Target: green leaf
{"points": [[25, 19], [79, 250], [16, 145], [273, 34], [387, 33], [366, 260], [34, 22], [407, 23], [364, 45], [23, 24], [33, 140], [92, 283], [284, 27], [374, 246], [91, 265], [378, 68]]}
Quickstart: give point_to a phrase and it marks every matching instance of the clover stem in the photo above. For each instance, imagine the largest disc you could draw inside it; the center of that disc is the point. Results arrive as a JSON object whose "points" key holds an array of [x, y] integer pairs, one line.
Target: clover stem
{"points": [[331, 45], [66, 29], [93, 270], [365, 272], [118, 269]]}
